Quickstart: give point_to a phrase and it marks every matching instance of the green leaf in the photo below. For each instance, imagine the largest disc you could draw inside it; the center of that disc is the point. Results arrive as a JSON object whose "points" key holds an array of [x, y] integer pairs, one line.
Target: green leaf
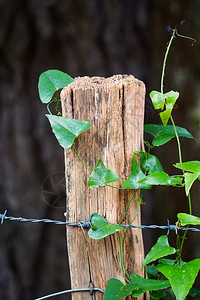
{"points": [[161, 178], [151, 270], [66, 130], [194, 168], [189, 180], [112, 289], [127, 289], [160, 249], [101, 228], [170, 100], [167, 261], [116, 290], [158, 99], [101, 176], [136, 175], [147, 285], [187, 219], [189, 166], [181, 278], [50, 82], [163, 134], [166, 100], [165, 115], [149, 162]]}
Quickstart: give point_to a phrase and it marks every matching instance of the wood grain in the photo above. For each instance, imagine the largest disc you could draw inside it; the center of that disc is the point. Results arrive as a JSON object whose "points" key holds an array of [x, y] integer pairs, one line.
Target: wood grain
{"points": [[115, 108]]}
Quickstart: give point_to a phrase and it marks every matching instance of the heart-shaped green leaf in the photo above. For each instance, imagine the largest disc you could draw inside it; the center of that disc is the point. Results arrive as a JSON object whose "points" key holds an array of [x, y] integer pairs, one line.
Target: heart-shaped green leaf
{"points": [[166, 100], [136, 175], [66, 130], [163, 134], [50, 82], [181, 278], [101, 228], [149, 162], [147, 285], [161, 178], [160, 249], [187, 219], [101, 176]]}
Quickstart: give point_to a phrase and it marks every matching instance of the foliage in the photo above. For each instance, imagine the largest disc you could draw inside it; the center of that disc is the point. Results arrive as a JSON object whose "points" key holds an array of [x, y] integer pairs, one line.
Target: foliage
{"points": [[101, 176], [160, 249], [101, 228], [171, 275]]}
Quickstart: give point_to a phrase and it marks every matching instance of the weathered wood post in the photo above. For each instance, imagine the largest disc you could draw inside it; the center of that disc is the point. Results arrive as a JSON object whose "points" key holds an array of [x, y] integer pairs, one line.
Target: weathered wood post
{"points": [[115, 108]]}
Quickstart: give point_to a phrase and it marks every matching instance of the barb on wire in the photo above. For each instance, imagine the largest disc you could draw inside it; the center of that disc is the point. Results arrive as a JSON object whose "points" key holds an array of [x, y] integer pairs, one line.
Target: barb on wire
{"points": [[71, 291], [88, 224]]}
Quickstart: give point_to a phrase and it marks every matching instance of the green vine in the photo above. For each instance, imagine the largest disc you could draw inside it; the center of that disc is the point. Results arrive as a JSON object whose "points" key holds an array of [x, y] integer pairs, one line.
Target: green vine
{"points": [[165, 276]]}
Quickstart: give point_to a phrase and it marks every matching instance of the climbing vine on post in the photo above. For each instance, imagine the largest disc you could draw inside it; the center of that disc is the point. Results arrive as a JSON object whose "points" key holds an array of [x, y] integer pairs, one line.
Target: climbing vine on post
{"points": [[165, 275]]}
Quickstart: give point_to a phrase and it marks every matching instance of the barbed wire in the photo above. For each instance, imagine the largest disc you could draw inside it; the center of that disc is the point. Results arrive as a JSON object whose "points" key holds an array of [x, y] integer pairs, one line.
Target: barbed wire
{"points": [[88, 224], [91, 289]]}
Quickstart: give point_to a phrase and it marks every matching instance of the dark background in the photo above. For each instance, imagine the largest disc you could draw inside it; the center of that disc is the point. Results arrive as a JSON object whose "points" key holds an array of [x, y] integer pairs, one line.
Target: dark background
{"points": [[82, 37]]}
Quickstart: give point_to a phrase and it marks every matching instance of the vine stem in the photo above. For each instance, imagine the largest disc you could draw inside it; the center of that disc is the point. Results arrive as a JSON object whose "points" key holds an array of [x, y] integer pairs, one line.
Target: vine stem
{"points": [[53, 100], [165, 61], [127, 207], [80, 158], [174, 32]]}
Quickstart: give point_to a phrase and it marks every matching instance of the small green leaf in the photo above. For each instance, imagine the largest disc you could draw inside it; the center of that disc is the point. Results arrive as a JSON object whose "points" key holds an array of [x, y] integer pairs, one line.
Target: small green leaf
{"points": [[166, 100], [163, 134], [161, 178], [158, 99], [149, 162], [181, 278], [187, 219], [136, 175], [160, 249], [66, 130], [101, 176], [147, 285], [101, 228], [50, 82]]}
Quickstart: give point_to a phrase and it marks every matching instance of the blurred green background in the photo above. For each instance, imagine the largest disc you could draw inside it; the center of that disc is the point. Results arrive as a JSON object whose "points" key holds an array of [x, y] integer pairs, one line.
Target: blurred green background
{"points": [[83, 37]]}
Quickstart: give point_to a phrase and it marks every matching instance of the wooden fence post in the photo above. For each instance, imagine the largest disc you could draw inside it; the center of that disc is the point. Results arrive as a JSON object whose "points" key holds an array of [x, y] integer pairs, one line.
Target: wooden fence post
{"points": [[115, 108]]}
